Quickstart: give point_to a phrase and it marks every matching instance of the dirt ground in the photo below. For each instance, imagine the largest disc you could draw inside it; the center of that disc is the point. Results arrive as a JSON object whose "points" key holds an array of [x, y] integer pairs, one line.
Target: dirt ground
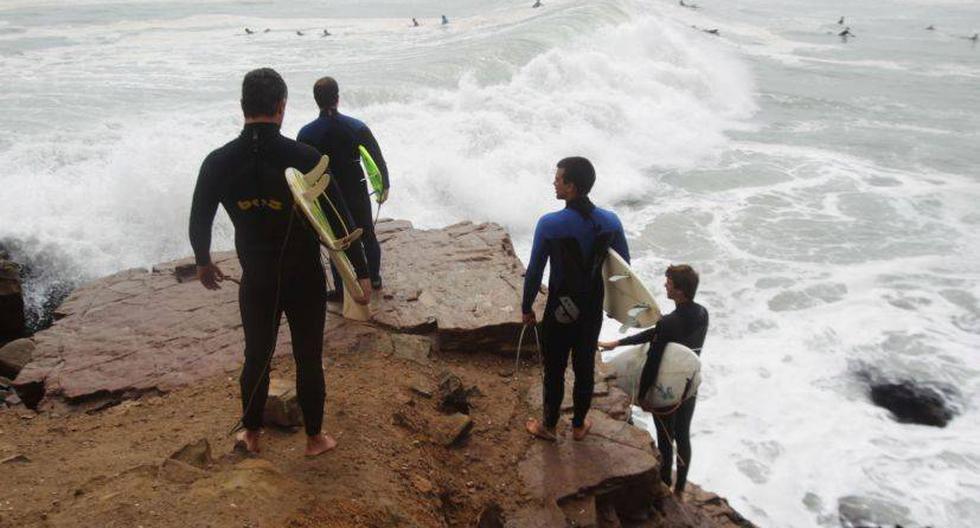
{"points": [[104, 468]]}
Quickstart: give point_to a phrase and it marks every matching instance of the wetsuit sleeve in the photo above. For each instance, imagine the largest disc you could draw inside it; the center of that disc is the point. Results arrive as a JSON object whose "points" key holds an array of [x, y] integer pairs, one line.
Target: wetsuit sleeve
{"points": [[367, 139], [619, 243], [355, 252], [643, 337], [663, 335], [203, 208], [535, 268]]}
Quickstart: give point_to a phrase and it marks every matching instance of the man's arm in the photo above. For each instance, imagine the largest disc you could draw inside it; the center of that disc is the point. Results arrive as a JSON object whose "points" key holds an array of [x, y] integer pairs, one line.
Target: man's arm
{"points": [[367, 139], [203, 208], [535, 269], [663, 333], [645, 336], [619, 242]]}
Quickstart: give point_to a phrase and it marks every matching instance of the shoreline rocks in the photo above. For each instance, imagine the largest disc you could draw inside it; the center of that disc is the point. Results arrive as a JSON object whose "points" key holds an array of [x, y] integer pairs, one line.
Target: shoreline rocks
{"points": [[913, 403]]}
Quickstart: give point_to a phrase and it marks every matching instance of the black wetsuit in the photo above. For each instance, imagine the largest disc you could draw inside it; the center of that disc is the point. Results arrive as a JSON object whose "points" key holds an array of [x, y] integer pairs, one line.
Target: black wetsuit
{"points": [[576, 241], [687, 325], [280, 259], [338, 136]]}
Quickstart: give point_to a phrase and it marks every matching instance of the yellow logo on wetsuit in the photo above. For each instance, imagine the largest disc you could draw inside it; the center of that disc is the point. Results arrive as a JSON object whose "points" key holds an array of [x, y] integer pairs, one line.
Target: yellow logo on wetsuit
{"points": [[271, 203]]}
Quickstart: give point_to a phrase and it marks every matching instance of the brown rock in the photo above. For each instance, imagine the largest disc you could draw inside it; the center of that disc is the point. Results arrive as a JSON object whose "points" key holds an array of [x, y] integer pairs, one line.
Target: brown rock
{"points": [[450, 430], [491, 516], [422, 484], [462, 282], [16, 459], [580, 511], [282, 407], [14, 356], [412, 348], [197, 454], [179, 472], [451, 396], [11, 302]]}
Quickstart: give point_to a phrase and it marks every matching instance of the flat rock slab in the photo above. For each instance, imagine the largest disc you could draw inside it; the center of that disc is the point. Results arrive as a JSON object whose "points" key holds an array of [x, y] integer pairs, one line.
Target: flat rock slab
{"points": [[594, 466], [149, 331]]}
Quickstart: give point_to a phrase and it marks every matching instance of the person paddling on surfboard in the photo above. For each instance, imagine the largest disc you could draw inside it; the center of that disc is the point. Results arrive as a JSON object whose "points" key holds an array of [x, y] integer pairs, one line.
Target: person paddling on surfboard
{"points": [[279, 254], [339, 137], [576, 241], [687, 325]]}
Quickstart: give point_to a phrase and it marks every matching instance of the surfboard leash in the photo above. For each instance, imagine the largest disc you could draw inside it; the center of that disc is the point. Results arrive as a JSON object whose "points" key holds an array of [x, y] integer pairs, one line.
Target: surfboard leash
{"points": [[520, 343]]}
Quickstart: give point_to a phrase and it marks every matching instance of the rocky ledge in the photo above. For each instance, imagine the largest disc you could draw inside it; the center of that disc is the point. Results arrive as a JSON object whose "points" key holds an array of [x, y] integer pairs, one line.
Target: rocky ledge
{"points": [[135, 391]]}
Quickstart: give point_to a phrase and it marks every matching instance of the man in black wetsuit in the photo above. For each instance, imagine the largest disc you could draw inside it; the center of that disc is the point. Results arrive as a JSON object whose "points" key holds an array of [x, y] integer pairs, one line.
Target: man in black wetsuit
{"points": [[687, 325], [279, 254], [338, 136], [576, 240]]}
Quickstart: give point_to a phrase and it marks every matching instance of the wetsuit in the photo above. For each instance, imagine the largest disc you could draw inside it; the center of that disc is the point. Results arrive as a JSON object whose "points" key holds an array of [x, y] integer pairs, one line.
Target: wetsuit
{"points": [[280, 259], [575, 240], [338, 136], [687, 325]]}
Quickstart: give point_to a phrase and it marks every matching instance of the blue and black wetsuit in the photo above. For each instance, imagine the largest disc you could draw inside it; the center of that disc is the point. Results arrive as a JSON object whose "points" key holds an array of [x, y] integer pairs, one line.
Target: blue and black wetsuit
{"points": [[338, 136], [576, 241], [687, 325], [280, 259]]}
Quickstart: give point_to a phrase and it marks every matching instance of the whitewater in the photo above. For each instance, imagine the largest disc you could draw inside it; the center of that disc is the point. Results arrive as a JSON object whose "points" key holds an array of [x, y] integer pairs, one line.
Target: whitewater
{"points": [[827, 190]]}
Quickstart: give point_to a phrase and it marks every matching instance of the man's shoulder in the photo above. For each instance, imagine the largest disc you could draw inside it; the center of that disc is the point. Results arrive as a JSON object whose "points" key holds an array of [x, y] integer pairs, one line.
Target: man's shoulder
{"points": [[223, 152], [608, 217], [300, 155], [352, 122]]}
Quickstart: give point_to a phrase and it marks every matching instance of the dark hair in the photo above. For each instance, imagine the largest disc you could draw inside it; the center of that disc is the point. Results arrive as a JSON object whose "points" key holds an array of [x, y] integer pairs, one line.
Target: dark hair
{"points": [[579, 172], [262, 91], [326, 92], [684, 278]]}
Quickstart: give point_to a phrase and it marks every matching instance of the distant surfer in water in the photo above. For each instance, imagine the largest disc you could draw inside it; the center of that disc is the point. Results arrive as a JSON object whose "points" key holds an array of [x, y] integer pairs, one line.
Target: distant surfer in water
{"points": [[575, 240], [249, 31], [845, 34], [537, 3], [687, 325], [415, 23], [338, 136], [325, 33], [444, 20], [279, 255]]}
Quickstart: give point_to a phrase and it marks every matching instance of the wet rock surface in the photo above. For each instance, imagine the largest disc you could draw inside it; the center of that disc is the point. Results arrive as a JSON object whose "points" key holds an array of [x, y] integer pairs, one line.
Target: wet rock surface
{"points": [[912, 403], [12, 323], [14, 356], [139, 332]]}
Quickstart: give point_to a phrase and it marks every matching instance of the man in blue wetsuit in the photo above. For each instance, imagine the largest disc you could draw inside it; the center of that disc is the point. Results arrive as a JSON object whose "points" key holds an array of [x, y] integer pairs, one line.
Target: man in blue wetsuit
{"points": [[279, 254], [687, 325], [576, 241], [338, 136]]}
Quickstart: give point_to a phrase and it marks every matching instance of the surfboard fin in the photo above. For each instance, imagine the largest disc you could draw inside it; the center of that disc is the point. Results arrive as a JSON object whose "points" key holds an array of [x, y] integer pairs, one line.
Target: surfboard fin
{"points": [[318, 188], [617, 278], [311, 178]]}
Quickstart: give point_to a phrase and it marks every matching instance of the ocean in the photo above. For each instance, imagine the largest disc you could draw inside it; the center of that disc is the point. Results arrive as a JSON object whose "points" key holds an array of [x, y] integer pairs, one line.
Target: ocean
{"points": [[826, 189]]}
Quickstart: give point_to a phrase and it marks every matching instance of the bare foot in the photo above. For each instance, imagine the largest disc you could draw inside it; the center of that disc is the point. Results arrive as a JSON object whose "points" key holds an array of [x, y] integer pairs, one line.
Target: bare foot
{"points": [[679, 495], [249, 439], [579, 433], [538, 429], [319, 444]]}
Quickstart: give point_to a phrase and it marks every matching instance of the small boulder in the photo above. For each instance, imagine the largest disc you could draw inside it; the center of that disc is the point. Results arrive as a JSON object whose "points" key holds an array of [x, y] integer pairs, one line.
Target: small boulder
{"points": [[180, 472], [422, 484], [282, 407], [450, 430], [451, 396], [14, 356], [911, 403], [15, 459], [491, 516], [12, 321], [197, 454]]}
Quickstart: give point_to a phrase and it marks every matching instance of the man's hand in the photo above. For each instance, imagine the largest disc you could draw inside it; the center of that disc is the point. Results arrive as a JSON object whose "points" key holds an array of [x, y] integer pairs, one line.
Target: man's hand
{"points": [[608, 345], [210, 275], [383, 197], [529, 318]]}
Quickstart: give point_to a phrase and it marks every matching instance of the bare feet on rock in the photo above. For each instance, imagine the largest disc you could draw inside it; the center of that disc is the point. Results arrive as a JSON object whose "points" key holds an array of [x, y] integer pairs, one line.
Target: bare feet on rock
{"points": [[679, 495], [249, 440], [319, 444], [538, 429], [579, 433]]}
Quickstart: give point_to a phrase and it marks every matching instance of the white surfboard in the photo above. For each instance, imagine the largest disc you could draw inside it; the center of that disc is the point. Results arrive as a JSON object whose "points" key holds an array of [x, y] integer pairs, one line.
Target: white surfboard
{"points": [[627, 299], [306, 188], [679, 365]]}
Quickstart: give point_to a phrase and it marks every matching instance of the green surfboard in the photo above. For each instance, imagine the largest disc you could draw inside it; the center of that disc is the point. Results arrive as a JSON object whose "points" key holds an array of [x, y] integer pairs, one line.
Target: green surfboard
{"points": [[373, 174]]}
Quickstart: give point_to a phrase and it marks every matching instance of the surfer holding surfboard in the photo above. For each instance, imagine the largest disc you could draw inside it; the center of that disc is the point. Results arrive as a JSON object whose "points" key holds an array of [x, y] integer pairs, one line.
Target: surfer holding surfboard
{"points": [[279, 254], [687, 325], [348, 141], [576, 240]]}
